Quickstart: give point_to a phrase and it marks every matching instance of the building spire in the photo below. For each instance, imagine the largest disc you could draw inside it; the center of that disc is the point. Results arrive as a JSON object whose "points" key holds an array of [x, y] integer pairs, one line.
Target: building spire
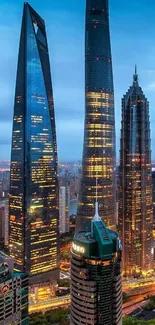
{"points": [[135, 69], [135, 76], [96, 216]]}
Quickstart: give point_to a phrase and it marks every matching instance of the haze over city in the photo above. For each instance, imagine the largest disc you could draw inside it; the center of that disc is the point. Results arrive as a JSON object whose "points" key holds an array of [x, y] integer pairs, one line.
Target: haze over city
{"points": [[134, 43]]}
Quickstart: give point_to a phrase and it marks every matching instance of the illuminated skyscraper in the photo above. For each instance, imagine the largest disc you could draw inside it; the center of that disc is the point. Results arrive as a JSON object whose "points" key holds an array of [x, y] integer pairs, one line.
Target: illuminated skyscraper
{"points": [[135, 219], [2, 227], [64, 201], [99, 134], [4, 224], [33, 207], [96, 284], [153, 200]]}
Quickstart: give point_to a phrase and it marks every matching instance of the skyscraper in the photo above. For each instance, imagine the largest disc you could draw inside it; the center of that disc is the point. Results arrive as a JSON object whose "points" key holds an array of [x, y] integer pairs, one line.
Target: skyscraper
{"points": [[2, 227], [96, 285], [99, 133], [4, 224], [153, 200], [135, 195], [33, 207], [64, 200]]}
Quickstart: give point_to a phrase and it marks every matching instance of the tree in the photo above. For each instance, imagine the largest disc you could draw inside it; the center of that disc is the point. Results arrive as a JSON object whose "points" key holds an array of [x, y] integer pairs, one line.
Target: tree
{"points": [[58, 316], [151, 304], [64, 283], [135, 321], [124, 297]]}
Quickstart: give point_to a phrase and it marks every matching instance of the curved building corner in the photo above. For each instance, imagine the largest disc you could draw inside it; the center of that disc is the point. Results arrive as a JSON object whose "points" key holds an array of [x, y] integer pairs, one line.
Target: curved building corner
{"points": [[96, 285]]}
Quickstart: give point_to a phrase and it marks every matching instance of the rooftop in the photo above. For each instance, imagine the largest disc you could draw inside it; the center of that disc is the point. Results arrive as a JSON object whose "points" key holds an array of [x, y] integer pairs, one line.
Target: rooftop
{"points": [[84, 237], [101, 243], [135, 89], [3, 255], [143, 314]]}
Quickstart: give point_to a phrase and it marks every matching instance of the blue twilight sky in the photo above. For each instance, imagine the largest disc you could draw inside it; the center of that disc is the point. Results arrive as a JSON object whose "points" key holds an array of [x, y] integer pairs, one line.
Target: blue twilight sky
{"points": [[132, 39]]}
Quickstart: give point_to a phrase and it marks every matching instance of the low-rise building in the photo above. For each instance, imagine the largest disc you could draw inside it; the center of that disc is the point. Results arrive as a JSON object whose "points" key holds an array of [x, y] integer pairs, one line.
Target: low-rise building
{"points": [[13, 293]]}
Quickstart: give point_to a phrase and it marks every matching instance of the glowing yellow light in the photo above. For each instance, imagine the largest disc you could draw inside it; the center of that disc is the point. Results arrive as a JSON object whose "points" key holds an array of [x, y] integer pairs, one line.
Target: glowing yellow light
{"points": [[79, 249]]}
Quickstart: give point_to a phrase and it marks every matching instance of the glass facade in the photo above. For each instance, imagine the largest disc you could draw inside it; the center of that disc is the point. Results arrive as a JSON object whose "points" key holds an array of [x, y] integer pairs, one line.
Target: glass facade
{"points": [[33, 207], [99, 134], [135, 194]]}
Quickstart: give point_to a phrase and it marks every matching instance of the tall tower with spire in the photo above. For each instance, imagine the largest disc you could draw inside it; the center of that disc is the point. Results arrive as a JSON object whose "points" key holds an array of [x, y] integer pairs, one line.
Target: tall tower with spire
{"points": [[96, 286], [99, 133], [135, 193]]}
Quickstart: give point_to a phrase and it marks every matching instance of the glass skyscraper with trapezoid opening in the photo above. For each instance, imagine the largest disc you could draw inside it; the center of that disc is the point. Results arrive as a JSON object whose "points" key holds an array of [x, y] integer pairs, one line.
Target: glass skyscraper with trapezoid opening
{"points": [[33, 207]]}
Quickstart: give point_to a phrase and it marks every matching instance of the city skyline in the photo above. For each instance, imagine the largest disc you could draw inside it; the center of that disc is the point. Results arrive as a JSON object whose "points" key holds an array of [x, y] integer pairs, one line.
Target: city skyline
{"points": [[76, 217], [70, 52]]}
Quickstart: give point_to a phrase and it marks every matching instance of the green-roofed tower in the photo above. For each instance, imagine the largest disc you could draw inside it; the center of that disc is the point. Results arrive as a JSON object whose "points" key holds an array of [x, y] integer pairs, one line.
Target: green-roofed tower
{"points": [[96, 286]]}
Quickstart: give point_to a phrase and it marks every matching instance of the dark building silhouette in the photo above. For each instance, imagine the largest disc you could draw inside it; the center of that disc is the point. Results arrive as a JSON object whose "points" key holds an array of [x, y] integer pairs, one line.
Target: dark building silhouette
{"points": [[135, 220], [99, 133], [96, 284], [33, 207]]}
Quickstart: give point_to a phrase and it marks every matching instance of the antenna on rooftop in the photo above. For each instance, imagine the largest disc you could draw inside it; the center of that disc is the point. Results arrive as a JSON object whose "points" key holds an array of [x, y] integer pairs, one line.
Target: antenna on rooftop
{"points": [[96, 217], [135, 76], [96, 188]]}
